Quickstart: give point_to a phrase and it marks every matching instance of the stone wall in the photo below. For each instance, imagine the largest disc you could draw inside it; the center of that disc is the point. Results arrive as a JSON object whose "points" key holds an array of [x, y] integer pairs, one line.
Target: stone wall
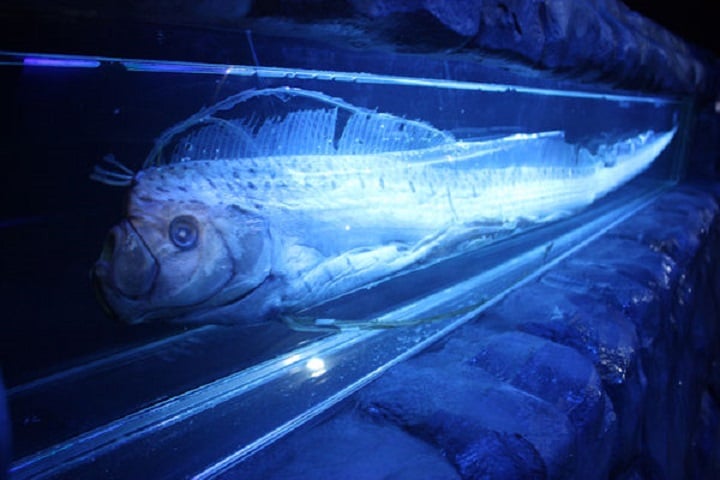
{"points": [[599, 41], [607, 366]]}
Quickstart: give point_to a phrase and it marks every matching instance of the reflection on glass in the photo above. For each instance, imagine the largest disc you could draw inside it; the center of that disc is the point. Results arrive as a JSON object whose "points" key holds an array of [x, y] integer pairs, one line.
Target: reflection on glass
{"points": [[316, 367]]}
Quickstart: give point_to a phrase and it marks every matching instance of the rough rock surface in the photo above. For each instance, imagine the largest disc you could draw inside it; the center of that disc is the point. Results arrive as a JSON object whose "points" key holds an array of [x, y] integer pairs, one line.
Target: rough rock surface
{"points": [[600, 41], [602, 38], [605, 367]]}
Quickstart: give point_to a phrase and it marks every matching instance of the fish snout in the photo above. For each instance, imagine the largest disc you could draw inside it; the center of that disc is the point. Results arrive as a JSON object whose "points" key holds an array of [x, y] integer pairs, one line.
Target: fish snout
{"points": [[126, 267]]}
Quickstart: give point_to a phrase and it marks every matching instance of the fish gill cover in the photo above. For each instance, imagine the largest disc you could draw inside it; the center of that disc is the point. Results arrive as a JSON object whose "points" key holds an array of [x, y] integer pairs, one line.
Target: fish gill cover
{"points": [[275, 200]]}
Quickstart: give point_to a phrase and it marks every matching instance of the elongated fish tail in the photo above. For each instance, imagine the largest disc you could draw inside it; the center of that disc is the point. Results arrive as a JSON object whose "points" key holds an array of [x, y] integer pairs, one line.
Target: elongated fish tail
{"points": [[115, 174]]}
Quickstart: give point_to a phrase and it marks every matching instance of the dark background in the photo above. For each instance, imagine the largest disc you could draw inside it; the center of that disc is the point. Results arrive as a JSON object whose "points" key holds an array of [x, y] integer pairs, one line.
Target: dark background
{"points": [[697, 21]]}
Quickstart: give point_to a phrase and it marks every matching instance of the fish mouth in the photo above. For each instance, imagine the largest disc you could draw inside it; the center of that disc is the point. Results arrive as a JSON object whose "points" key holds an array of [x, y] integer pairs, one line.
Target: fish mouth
{"points": [[125, 273]]}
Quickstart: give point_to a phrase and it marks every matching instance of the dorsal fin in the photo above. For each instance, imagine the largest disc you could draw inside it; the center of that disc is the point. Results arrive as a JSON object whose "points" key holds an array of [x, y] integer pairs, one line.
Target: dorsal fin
{"points": [[288, 121], [115, 173]]}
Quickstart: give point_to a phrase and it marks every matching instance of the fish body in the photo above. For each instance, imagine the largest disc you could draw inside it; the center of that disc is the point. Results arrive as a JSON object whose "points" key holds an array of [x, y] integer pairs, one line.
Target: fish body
{"points": [[241, 238]]}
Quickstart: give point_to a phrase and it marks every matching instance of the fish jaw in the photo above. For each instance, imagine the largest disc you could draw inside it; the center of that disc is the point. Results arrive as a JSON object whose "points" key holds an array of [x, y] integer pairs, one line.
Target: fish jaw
{"points": [[222, 256], [125, 272]]}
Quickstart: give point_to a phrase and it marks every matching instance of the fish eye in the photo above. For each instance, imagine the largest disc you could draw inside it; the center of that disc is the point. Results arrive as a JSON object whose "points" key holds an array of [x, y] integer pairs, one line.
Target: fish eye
{"points": [[183, 232]]}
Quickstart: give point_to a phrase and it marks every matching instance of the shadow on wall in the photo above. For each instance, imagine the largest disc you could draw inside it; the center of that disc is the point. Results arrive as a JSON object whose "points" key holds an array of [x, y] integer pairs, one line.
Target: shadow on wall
{"points": [[4, 434], [704, 148]]}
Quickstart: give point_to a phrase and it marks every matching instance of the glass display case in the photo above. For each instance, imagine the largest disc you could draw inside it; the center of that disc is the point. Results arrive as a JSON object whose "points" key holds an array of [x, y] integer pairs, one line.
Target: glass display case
{"points": [[200, 258]]}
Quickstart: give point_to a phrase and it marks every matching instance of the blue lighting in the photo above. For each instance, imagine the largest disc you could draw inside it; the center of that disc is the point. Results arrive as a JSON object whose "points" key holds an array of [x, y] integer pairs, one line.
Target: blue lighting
{"points": [[60, 62]]}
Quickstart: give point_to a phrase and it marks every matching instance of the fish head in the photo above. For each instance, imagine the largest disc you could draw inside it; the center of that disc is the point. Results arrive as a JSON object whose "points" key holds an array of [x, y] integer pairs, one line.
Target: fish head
{"points": [[173, 256]]}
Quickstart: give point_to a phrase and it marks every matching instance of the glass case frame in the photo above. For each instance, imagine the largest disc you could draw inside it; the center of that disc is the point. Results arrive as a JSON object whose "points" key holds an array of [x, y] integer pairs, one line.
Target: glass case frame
{"points": [[244, 402]]}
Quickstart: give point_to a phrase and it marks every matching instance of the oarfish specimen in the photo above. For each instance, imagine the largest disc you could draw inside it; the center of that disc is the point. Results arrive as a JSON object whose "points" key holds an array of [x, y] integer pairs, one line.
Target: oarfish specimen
{"points": [[301, 198]]}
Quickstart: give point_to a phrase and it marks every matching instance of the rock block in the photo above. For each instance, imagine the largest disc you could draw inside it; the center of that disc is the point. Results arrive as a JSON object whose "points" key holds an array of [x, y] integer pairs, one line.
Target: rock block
{"points": [[349, 446], [604, 367], [461, 412]]}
